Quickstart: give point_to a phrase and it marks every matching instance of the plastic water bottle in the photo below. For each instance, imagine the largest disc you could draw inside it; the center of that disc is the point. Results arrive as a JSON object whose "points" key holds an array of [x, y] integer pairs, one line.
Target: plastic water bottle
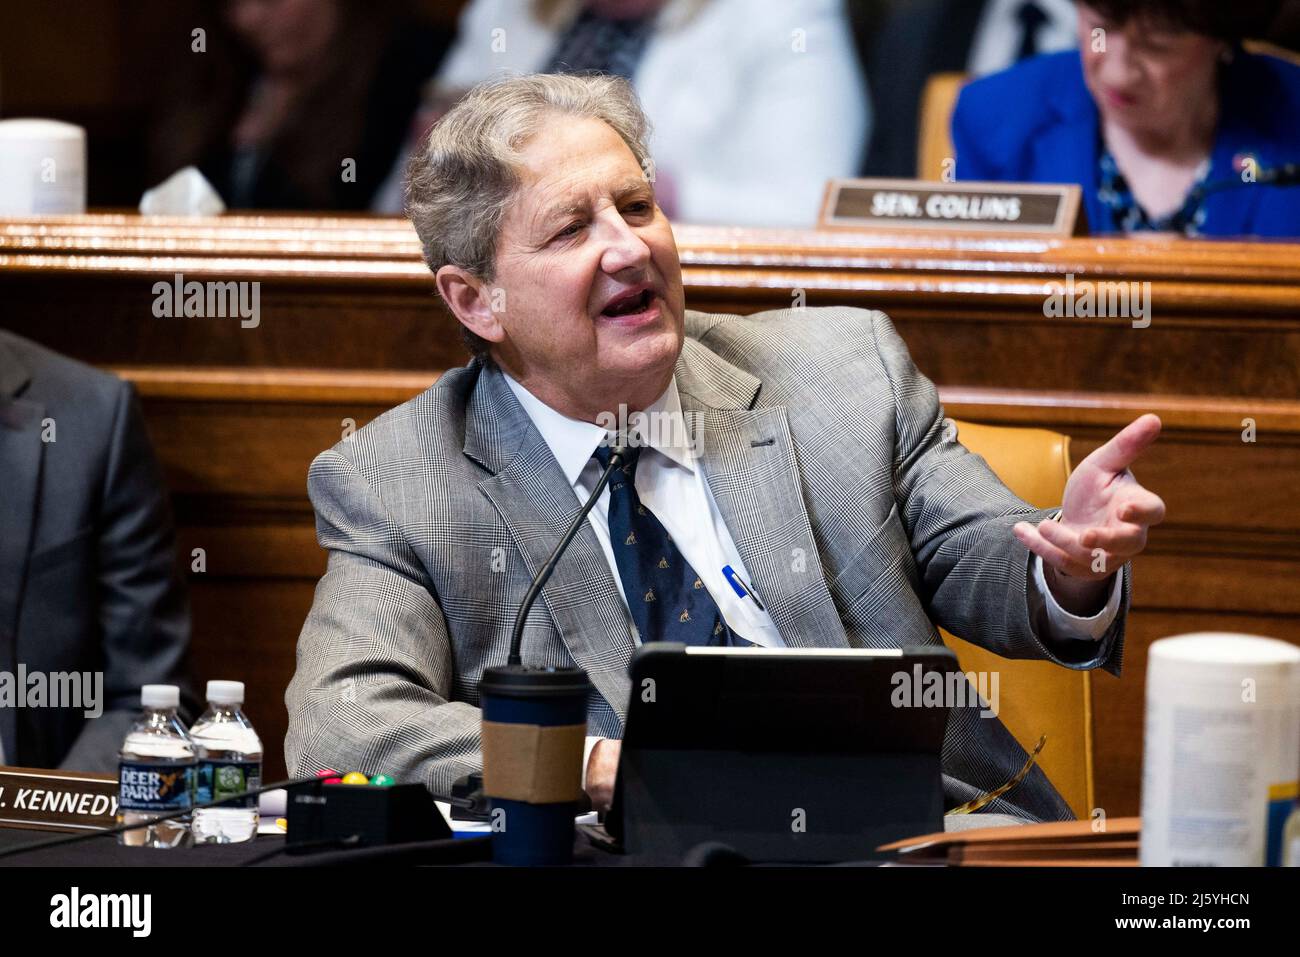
{"points": [[155, 772], [230, 760]]}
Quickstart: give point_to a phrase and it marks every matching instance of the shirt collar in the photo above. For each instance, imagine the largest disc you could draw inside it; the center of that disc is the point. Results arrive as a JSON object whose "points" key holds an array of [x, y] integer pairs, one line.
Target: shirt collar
{"points": [[573, 441]]}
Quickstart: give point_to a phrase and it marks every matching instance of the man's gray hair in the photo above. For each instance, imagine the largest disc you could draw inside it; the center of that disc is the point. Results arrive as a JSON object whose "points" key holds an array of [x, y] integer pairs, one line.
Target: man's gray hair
{"points": [[458, 185]]}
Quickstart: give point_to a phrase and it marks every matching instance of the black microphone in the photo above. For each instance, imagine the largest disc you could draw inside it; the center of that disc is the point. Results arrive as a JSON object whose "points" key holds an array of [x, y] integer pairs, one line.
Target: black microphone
{"points": [[617, 457], [1288, 174]]}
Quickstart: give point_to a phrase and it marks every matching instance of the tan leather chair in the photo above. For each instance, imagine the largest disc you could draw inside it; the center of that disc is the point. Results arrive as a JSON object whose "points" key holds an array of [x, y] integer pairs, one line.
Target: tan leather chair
{"points": [[1036, 697], [934, 131], [1263, 48]]}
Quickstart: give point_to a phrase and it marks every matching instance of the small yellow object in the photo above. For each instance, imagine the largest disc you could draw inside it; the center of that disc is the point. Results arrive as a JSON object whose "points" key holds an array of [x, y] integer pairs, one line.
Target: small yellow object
{"points": [[355, 777], [282, 823], [984, 799]]}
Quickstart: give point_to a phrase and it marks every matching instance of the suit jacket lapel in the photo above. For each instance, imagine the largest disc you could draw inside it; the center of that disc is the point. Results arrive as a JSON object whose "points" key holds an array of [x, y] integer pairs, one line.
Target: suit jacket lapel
{"points": [[537, 504], [20, 456], [748, 459]]}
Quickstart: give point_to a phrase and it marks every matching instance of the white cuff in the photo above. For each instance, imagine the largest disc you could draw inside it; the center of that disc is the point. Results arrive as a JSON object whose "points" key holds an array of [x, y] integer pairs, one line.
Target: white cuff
{"points": [[1066, 625], [586, 756]]}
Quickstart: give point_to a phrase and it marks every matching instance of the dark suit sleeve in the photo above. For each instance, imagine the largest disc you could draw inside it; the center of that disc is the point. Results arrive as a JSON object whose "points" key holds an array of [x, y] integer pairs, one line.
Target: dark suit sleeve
{"points": [[143, 613], [974, 573]]}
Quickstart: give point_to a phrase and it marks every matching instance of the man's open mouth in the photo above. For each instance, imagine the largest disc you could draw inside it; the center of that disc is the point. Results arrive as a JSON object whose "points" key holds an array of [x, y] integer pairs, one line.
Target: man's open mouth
{"points": [[629, 305]]}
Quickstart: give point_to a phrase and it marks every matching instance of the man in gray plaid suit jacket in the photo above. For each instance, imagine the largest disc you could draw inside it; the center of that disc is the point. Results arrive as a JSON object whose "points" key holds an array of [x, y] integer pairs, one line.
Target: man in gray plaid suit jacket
{"points": [[828, 474]]}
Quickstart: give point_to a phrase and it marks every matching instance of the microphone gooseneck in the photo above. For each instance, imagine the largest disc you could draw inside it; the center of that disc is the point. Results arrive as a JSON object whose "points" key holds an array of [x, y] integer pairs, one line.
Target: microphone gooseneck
{"points": [[617, 456], [1287, 174]]}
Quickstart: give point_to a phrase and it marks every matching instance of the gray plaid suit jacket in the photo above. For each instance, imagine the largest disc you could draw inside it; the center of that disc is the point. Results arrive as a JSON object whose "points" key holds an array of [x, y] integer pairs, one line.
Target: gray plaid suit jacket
{"points": [[861, 521]]}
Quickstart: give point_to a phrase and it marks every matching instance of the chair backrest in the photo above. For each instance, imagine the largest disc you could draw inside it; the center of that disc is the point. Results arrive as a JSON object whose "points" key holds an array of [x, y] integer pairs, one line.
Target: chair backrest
{"points": [[934, 131], [1036, 697], [1263, 48]]}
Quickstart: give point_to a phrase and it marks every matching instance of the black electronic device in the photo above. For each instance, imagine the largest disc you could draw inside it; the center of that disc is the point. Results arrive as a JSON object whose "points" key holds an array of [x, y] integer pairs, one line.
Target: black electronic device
{"points": [[791, 754], [358, 815]]}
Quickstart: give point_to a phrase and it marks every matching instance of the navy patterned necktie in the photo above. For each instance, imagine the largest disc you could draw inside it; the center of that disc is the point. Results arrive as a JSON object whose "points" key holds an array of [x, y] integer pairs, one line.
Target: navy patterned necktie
{"points": [[668, 601], [596, 44]]}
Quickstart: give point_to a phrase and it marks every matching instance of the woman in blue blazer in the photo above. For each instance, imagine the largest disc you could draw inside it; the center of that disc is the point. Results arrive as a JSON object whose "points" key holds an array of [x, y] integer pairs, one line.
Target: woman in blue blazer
{"points": [[1162, 117]]}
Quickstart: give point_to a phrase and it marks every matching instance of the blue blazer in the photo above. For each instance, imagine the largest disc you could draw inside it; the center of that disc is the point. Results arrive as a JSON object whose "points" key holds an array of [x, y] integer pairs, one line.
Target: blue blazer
{"points": [[1037, 123]]}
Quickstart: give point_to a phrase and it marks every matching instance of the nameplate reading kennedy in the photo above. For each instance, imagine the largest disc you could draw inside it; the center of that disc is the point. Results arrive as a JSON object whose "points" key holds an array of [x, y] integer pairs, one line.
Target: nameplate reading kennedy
{"points": [[57, 800], [1006, 209]]}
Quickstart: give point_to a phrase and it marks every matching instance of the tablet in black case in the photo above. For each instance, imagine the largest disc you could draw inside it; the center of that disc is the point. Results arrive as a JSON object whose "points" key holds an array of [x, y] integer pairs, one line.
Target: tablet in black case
{"points": [[792, 755]]}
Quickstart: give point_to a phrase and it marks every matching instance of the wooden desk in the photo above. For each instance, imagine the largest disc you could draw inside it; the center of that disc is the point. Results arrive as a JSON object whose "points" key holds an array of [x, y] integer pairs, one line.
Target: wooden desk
{"points": [[349, 326]]}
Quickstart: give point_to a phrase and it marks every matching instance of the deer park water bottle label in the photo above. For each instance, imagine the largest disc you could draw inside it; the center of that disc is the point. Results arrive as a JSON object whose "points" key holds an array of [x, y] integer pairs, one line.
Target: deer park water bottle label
{"points": [[143, 786]]}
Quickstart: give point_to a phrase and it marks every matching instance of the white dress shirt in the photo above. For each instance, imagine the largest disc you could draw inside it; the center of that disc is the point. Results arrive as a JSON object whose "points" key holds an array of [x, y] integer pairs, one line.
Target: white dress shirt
{"points": [[997, 38], [672, 487], [671, 484]]}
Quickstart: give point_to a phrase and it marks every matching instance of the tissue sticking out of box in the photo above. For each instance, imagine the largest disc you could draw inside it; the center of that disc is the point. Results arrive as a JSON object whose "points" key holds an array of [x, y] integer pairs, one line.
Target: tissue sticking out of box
{"points": [[185, 193]]}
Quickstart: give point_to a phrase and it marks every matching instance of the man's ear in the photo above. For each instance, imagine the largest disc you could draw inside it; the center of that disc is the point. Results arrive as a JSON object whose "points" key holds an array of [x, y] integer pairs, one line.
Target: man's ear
{"points": [[472, 301]]}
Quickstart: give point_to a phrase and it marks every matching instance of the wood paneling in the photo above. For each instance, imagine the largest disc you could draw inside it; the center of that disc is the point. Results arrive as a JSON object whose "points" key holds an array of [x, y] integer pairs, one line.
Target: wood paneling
{"points": [[236, 445], [351, 292], [349, 326]]}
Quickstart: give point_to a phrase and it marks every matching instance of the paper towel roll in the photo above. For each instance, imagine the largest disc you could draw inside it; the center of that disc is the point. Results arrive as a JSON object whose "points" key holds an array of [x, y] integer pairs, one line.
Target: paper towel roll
{"points": [[1222, 749], [42, 168]]}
